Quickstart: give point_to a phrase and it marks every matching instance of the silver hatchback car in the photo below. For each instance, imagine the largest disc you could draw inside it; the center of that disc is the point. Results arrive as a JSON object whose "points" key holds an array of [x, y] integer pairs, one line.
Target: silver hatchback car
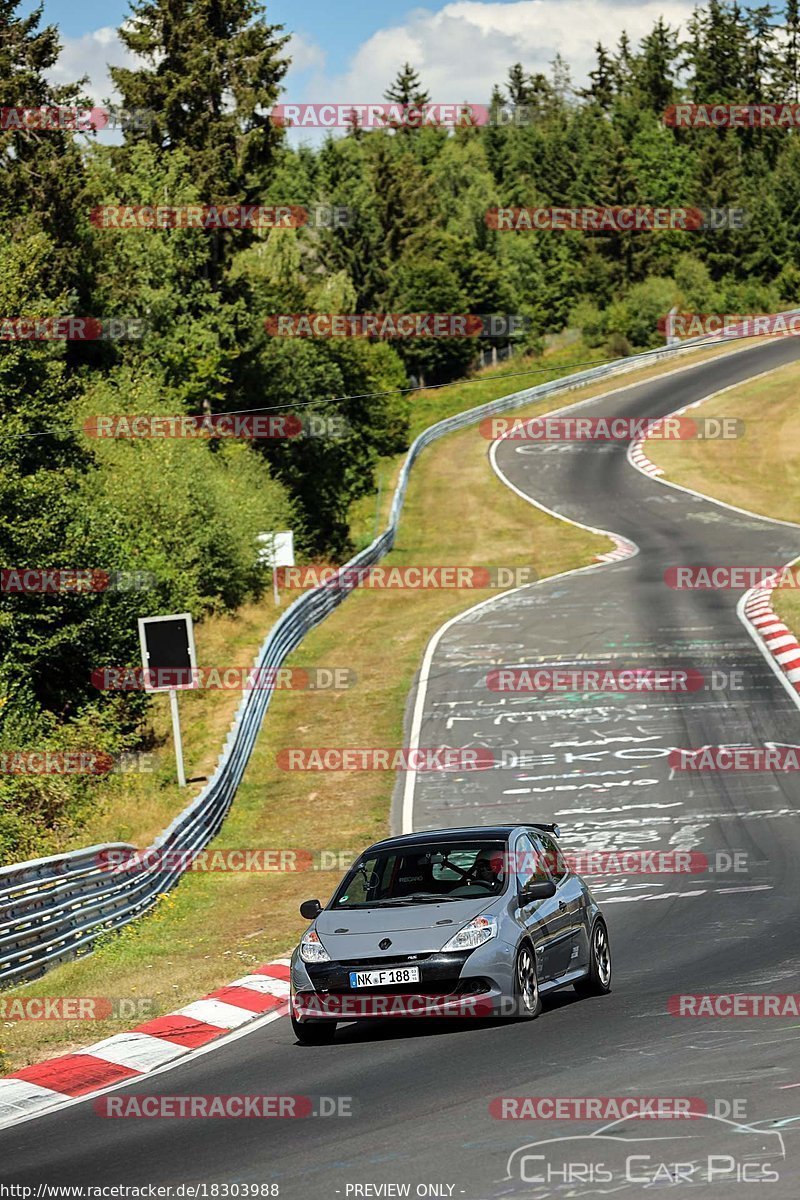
{"points": [[472, 922]]}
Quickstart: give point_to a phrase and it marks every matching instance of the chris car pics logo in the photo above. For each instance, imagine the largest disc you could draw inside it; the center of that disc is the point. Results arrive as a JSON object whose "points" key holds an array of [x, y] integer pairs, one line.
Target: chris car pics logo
{"points": [[704, 1152]]}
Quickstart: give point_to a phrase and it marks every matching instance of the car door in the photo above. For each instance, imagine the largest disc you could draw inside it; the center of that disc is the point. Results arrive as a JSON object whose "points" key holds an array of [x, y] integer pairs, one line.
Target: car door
{"points": [[569, 896], [547, 924]]}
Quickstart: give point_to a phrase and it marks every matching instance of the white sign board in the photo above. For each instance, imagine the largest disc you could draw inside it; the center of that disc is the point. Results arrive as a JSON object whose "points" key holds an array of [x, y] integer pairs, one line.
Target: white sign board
{"points": [[276, 549]]}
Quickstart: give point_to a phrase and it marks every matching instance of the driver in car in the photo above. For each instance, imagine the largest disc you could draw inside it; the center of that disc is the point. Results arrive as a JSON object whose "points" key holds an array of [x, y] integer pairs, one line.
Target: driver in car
{"points": [[488, 868]]}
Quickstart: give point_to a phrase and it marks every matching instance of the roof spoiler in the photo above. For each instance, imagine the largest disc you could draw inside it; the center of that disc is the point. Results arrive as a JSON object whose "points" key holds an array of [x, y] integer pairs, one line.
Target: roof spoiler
{"points": [[548, 828]]}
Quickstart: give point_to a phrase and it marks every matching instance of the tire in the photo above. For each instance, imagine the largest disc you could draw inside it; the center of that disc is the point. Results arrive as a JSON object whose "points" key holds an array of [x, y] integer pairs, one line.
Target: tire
{"points": [[527, 999], [313, 1033], [598, 981]]}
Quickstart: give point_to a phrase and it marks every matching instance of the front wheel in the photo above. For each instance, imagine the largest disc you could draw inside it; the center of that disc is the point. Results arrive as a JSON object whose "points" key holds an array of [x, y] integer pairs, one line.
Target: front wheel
{"points": [[313, 1033], [528, 1001], [598, 981]]}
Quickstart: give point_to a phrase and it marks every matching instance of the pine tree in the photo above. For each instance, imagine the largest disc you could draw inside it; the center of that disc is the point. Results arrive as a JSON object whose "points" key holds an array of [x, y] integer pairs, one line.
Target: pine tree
{"points": [[714, 54], [212, 73], [654, 68], [623, 61], [562, 80], [517, 85], [42, 177], [407, 90], [787, 66], [604, 80]]}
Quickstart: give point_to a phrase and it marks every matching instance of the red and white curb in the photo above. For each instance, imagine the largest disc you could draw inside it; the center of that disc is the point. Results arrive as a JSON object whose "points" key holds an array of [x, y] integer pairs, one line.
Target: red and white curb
{"points": [[622, 549], [129, 1056], [639, 459], [776, 637], [636, 454]]}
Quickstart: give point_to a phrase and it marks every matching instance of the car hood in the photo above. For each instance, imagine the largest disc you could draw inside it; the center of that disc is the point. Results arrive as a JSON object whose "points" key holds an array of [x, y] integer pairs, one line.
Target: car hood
{"points": [[413, 929]]}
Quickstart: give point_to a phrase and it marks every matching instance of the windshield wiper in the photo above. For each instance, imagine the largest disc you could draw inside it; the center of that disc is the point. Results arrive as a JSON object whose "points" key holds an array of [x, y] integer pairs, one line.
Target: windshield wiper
{"points": [[425, 898], [416, 898]]}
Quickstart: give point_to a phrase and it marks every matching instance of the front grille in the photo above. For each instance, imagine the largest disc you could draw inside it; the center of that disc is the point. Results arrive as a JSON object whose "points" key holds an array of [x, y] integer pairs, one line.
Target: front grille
{"points": [[439, 973]]}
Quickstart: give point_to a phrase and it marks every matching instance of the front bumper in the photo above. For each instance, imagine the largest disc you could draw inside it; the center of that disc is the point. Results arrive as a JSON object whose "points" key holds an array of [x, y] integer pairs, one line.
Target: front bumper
{"points": [[469, 983]]}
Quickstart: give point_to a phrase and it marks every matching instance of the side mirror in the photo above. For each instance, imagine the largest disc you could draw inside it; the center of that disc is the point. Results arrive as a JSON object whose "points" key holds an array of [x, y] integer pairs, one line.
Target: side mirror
{"points": [[310, 909], [538, 891]]}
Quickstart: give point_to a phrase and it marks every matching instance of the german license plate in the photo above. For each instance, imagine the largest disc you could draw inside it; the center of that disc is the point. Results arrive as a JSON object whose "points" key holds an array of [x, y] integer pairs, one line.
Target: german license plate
{"points": [[359, 979]]}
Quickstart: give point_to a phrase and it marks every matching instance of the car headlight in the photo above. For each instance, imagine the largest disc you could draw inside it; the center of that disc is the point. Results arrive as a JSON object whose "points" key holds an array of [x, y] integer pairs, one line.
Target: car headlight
{"points": [[481, 930], [312, 949]]}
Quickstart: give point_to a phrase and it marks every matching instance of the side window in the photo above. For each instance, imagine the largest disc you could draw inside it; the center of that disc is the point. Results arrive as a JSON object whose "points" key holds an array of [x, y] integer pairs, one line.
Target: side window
{"points": [[528, 863], [553, 857]]}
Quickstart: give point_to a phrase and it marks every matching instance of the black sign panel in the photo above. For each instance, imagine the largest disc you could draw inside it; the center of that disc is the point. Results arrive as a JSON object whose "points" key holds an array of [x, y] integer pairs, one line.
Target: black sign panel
{"points": [[168, 655]]}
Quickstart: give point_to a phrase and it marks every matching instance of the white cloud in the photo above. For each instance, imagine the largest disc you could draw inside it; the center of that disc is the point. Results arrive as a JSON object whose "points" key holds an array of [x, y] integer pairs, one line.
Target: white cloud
{"points": [[466, 47], [92, 55], [305, 53]]}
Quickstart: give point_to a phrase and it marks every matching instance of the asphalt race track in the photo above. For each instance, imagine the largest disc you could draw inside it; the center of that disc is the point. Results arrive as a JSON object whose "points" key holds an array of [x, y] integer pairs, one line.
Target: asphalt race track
{"points": [[597, 764]]}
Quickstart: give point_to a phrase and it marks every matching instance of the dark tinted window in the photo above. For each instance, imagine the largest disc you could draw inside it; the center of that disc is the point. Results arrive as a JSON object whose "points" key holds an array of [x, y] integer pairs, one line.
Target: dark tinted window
{"points": [[529, 863], [553, 856]]}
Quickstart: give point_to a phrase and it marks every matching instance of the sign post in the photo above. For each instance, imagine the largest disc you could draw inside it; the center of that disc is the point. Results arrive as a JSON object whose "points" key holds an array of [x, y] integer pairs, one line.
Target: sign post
{"points": [[277, 550], [176, 736], [170, 665]]}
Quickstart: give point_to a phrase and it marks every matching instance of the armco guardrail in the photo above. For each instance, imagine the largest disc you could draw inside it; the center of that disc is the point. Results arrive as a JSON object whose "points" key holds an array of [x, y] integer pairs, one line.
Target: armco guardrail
{"points": [[53, 909]]}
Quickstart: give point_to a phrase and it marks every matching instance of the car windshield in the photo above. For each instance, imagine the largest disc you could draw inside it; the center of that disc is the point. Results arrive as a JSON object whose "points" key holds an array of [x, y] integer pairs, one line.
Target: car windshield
{"points": [[423, 874]]}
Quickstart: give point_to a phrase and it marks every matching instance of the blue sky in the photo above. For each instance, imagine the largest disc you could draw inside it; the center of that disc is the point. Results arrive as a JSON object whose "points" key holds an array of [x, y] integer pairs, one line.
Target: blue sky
{"points": [[338, 25]]}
